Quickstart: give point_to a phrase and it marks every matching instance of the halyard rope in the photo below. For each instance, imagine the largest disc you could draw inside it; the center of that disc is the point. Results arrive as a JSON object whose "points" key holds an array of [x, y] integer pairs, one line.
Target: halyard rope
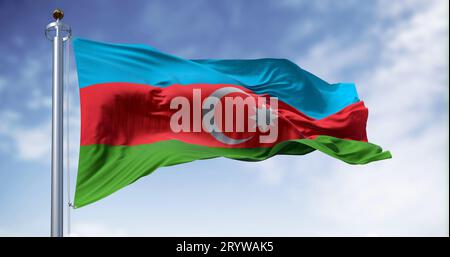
{"points": [[67, 93]]}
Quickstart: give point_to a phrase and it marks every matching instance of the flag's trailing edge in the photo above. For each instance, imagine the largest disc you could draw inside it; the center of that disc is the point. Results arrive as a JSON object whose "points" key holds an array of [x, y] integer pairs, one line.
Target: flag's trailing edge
{"points": [[125, 97]]}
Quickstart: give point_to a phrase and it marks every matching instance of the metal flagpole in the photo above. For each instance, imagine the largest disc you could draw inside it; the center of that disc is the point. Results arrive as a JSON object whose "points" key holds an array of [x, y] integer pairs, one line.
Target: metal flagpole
{"points": [[58, 33]]}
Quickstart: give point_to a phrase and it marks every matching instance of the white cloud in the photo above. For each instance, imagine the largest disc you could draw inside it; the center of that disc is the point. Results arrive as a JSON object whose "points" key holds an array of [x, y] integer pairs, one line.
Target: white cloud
{"points": [[397, 9], [28, 143], [39, 100], [95, 229], [7, 117], [268, 171], [406, 91], [328, 58], [33, 143]]}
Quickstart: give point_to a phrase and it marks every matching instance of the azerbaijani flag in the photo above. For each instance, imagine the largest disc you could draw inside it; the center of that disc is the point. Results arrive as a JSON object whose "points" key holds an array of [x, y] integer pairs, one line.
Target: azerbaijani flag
{"points": [[142, 109]]}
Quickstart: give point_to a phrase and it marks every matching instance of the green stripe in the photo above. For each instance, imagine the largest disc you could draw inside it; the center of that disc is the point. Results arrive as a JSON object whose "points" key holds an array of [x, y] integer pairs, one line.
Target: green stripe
{"points": [[104, 169]]}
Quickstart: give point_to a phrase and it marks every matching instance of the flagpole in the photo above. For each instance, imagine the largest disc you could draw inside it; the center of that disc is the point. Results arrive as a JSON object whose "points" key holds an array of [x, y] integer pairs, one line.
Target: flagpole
{"points": [[58, 33]]}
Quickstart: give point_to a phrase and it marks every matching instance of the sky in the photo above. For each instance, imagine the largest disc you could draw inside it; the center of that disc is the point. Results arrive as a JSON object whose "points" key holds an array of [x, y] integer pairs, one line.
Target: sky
{"points": [[395, 51]]}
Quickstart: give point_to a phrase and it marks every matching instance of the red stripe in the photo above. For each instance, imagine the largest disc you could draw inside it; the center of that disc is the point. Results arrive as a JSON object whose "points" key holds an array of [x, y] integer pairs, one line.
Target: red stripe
{"points": [[133, 114]]}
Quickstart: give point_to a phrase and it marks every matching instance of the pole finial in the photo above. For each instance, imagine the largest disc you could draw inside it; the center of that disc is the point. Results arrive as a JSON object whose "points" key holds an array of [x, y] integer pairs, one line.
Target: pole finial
{"points": [[58, 14], [56, 27]]}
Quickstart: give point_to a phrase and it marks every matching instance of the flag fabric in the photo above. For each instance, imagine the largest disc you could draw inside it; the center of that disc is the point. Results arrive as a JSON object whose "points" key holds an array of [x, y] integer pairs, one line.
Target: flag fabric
{"points": [[142, 109]]}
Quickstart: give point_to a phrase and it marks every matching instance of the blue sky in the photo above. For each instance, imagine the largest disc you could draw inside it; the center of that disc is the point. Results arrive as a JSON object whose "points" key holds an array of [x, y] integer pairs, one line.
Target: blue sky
{"points": [[395, 51]]}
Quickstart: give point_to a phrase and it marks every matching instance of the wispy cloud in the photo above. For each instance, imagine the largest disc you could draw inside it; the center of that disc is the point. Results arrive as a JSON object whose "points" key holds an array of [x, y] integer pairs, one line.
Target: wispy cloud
{"points": [[29, 143], [96, 229], [406, 89]]}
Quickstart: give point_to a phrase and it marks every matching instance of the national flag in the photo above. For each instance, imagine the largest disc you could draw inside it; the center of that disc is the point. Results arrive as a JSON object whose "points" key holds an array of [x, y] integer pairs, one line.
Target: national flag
{"points": [[142, 109]]}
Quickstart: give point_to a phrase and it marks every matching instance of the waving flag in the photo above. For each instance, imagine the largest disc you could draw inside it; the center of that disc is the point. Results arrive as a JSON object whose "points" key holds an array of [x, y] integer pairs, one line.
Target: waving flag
{"points": [[142, 109]]}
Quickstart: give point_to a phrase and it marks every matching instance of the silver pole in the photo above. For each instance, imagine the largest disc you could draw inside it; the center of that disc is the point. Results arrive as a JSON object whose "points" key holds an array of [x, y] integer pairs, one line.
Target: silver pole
{"points": [[58, 33]]}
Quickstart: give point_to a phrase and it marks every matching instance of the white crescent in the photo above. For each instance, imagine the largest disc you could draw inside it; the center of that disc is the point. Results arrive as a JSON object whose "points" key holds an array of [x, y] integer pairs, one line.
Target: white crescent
{"points": [[219, 136]]}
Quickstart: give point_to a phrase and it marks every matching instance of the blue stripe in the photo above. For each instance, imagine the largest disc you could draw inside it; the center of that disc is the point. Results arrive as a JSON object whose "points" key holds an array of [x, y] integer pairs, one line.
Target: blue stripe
{"points": [[103, 62]]}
